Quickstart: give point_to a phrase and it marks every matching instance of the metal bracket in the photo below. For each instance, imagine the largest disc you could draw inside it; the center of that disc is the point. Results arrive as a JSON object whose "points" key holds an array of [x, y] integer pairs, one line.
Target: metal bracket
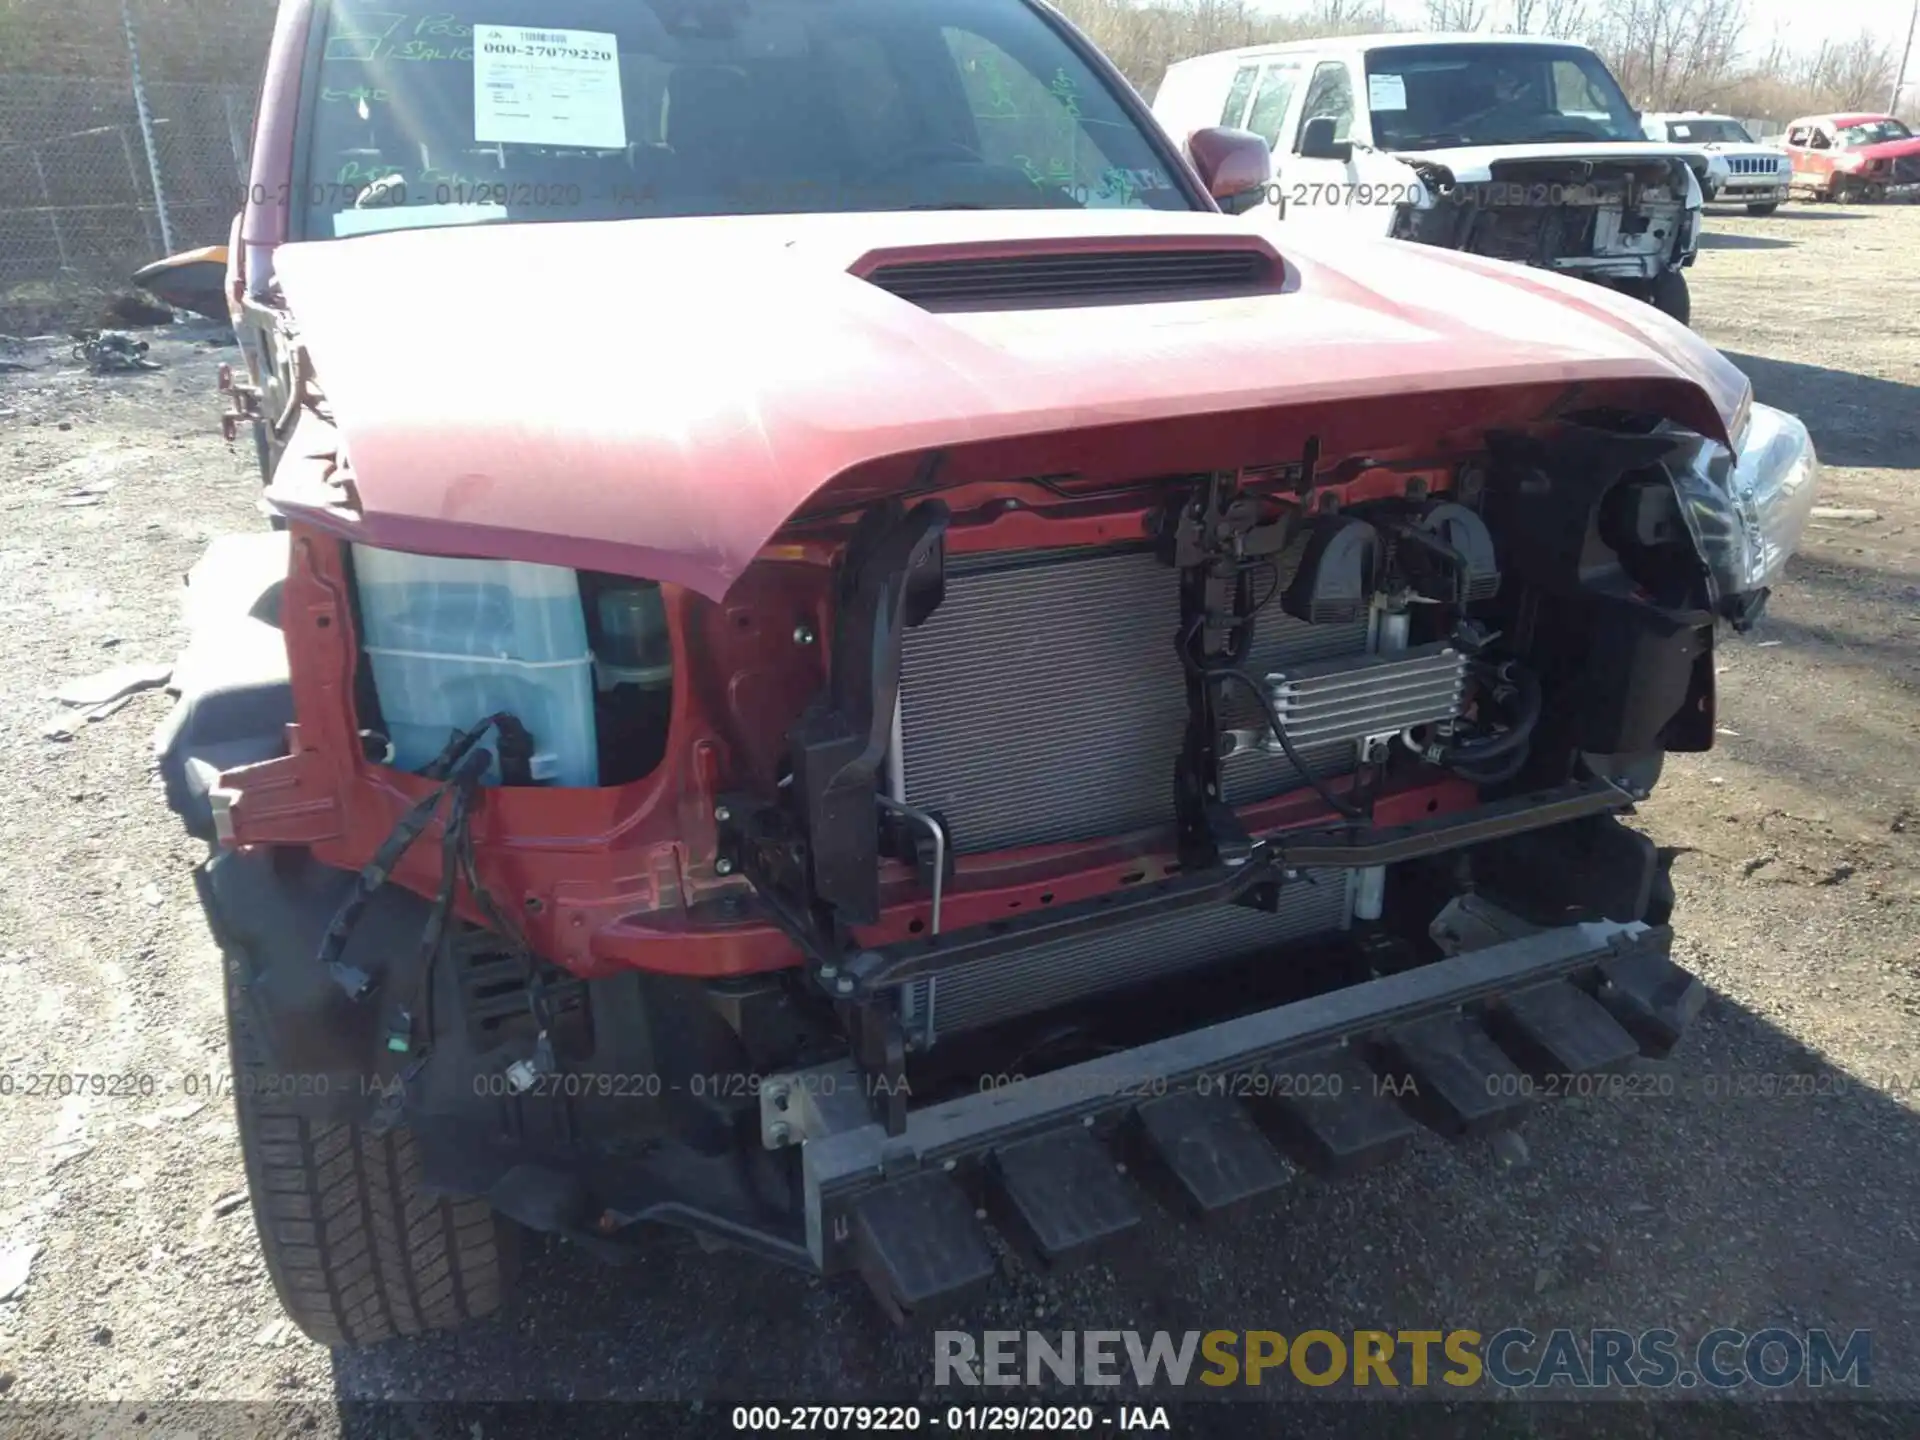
{"points": [[243, 399], [220, 801], [1468, 922], [891, 580], [802, 1105], [880, 1054], [939, 834], [887, 967]]}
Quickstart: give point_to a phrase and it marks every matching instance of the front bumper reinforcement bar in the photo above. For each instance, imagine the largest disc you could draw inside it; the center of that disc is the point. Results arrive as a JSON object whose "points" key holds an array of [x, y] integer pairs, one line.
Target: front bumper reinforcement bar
{"points": [[1217, 1115]]}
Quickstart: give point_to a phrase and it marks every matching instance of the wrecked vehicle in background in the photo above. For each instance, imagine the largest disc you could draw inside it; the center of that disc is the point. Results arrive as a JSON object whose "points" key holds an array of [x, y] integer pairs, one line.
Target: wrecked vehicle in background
{"points": [[1510, 146], [962, 663], [1854, 158]]}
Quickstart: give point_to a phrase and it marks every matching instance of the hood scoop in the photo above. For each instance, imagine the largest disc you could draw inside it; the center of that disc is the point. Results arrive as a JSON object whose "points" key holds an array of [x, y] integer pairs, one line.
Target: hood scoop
{"points": [[1003, 275]]}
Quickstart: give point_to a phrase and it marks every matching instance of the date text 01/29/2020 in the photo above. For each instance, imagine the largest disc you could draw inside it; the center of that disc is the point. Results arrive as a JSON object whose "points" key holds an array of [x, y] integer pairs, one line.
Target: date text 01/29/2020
{"points": [[862, 1419], [1281, 195]]}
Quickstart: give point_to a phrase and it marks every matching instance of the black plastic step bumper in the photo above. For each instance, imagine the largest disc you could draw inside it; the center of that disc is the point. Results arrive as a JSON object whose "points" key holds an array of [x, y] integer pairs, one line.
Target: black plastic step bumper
{"points": [[1219, 1115]]}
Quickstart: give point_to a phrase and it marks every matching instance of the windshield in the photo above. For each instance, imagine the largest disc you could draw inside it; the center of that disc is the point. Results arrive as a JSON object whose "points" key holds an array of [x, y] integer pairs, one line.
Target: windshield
{"points": [[1708, 132], [1428, 97], [600, 109], [1873, 132]]}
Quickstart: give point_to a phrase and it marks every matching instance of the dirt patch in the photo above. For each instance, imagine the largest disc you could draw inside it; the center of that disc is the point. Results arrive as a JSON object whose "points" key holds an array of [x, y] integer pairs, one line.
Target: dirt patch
{"points": [[1731, 1199]]}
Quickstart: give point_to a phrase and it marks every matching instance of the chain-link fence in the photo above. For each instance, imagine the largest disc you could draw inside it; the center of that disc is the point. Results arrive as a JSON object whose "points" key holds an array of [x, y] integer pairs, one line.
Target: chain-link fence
{"points": [[78, 196], [124, 127]]}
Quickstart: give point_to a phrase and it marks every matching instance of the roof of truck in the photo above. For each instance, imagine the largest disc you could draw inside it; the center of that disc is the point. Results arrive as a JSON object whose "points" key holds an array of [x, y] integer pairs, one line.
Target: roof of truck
{"points": [[1386, 40], [1843, 120]]}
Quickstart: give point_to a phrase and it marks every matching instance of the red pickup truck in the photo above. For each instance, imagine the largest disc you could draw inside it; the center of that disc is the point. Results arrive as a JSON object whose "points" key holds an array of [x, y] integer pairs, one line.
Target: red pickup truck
{"points": [[841, 650]]}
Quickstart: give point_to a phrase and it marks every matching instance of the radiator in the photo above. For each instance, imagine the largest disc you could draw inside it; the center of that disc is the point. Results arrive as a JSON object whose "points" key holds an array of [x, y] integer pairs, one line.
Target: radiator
{"points": [[1318, 903], [1042, 703]]}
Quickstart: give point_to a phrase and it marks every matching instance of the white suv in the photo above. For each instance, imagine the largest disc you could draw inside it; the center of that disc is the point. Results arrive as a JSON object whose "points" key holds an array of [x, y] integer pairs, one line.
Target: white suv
{"points": [[1511, 146], [1742, 170]]}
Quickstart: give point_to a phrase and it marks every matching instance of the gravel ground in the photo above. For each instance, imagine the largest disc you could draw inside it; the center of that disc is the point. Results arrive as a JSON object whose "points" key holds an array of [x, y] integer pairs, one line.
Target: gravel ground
{"points": [[1799, 896]]}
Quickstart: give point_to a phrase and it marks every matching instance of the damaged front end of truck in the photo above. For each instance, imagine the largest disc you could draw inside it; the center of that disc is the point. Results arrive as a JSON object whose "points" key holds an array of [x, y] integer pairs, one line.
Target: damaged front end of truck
{"points": [[821, 813], [1633, 221]]}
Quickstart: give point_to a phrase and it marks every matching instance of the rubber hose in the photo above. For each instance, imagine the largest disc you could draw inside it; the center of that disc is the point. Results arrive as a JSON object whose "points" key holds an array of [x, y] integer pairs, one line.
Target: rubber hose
{"points": [[1499, 774], [1475, 752]]}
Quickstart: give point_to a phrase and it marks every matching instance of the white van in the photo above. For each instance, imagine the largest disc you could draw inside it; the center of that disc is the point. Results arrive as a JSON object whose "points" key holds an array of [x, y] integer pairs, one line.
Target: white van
{"points": [[1512, 146]]}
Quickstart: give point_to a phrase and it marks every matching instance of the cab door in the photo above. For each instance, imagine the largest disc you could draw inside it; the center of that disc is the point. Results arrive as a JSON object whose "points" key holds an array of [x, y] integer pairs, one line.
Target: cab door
{"points": [[1812, 154], [1345, 194], [1268, 110], [1233, 114]]}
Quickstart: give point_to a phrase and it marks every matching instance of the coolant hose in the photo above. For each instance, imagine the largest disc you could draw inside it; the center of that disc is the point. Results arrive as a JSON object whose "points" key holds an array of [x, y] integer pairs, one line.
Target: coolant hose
{"points": [[1498, 773], [1520, 731]]}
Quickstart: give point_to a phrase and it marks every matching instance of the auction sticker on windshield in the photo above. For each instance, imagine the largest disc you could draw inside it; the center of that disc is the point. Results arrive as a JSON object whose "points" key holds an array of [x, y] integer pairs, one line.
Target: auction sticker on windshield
{"points": [[1386, 92], [547, 87]]}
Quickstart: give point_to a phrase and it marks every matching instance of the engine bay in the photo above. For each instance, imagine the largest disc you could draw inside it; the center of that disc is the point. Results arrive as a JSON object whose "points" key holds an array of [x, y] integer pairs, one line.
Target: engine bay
{"points": [[1620, 220]]}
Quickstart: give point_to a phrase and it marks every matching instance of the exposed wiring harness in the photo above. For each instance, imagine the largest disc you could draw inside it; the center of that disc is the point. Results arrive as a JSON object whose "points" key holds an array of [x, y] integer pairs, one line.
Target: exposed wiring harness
{"points": [[458, 768]]}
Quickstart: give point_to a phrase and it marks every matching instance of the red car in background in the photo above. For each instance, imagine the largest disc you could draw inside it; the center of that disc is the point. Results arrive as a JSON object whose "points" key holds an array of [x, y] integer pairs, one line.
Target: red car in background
{"points": [[1853, 157]]}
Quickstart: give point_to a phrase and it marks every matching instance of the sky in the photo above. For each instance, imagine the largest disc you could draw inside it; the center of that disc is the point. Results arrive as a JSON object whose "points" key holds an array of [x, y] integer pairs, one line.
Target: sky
{"points": [[1804, 24]]}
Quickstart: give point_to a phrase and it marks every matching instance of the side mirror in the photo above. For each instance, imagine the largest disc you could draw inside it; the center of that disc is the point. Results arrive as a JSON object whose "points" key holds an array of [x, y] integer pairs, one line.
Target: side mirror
{"points": [[1234, 165], [1317, 143]]}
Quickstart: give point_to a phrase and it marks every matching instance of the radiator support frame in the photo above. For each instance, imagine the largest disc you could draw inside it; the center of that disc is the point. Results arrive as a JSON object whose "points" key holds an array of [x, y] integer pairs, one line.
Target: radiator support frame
{"points": [[870, 975]]}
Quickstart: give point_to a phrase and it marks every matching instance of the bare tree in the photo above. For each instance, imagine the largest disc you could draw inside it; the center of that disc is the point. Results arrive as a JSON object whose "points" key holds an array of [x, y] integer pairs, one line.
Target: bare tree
{"points": [[1456, 14], [1667, 54], [1339, 15], [1564, 19], [1560, 19], [1672, 54], [1857, 73]]}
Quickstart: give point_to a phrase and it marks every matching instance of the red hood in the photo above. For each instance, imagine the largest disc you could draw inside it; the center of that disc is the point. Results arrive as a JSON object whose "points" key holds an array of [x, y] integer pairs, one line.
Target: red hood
{"points": [[1886, 149], [657, 397]]}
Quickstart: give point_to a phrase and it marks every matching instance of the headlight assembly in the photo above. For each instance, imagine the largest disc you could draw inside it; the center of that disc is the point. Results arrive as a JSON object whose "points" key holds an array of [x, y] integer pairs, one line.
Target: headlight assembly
{"points": [[1746, 510]]}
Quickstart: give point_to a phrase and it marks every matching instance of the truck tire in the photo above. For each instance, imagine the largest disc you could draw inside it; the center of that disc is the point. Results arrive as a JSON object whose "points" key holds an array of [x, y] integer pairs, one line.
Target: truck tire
{"points": [[356, 1252], [1668, 293], [1764, 208]]}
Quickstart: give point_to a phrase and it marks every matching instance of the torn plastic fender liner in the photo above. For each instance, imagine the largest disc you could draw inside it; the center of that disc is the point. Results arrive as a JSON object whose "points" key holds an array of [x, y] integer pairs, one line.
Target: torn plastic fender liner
{"points": [[303, 1028], [236, 697]]}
